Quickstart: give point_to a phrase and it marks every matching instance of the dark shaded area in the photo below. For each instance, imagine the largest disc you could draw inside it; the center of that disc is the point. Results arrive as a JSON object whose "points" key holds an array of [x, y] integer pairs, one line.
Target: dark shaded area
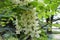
{"points": [[10, 28], [49, 21]]}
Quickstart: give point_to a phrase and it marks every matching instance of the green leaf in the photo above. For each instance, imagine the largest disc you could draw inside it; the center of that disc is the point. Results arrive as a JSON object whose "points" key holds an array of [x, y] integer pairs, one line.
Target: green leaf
{"points": [[53, 6], [34, 3], [47, 1]]}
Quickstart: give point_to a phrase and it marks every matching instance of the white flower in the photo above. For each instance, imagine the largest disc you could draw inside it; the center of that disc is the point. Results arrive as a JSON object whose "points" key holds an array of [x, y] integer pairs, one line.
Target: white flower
{"points": [[29, 22], [15, 1], [37, 35], [36, 28], [38, 31], [41, 1]]}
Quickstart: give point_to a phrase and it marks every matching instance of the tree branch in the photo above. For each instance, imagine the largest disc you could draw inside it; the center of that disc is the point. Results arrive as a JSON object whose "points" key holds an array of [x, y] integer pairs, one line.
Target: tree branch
{"points": [[56, 19]]}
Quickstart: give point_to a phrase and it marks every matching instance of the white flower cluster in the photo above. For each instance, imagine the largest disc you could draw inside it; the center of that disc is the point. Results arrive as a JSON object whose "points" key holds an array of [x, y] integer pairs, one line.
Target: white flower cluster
{"points": [[27, 21], [29, 24], [21, 2]]}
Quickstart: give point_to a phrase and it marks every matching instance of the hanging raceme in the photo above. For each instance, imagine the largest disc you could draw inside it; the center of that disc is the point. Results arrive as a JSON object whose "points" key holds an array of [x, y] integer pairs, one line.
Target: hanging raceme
{"points": [[27, 21]]}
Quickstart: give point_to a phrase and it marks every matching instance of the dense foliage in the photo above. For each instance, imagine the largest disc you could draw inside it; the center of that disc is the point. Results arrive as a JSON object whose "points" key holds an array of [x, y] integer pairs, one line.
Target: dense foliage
{"points": [[24, 19]]}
